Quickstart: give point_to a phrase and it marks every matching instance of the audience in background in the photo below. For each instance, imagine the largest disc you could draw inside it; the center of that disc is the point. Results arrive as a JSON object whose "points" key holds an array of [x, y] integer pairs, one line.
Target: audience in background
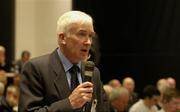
{"points": [[9, 102], [119, 98], [114, 83], [2, 56], [170, 100], [172, 82], [3, 65], [25, 56], [150, 99], [107, 89], [161, 85], [129, 84]]}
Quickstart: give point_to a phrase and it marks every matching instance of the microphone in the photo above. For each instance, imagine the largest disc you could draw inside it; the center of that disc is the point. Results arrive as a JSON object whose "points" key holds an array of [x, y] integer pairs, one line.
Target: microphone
{"points": [[89, 68]]}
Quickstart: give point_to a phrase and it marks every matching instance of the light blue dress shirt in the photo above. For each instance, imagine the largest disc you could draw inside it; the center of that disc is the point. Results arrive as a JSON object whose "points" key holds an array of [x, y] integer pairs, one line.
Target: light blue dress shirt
{"points": [[67, 65]]}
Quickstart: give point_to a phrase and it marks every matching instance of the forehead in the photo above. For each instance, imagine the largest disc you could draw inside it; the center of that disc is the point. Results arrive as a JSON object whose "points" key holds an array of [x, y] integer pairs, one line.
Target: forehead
{"points": [[123, 97], [85, 27]]}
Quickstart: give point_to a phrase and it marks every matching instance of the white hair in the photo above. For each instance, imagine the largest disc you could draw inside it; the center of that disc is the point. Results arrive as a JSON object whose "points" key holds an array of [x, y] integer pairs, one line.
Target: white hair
{"points": [[118, 92], [67, 19]]}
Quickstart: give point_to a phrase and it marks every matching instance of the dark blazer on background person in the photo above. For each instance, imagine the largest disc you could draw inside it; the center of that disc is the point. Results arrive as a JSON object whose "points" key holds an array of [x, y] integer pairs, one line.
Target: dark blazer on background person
{"points": [[4, 106], [45, 88]]}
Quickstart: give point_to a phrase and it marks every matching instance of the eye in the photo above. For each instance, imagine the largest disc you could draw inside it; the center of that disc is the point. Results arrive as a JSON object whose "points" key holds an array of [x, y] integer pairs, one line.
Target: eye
{"points": [[82, 34], [91, 35]]}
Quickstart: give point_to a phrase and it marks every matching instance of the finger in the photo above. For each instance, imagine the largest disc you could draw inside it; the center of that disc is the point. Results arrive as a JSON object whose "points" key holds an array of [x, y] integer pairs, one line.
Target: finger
{"points": [[87, 97], [86, 90], [86, 84]]}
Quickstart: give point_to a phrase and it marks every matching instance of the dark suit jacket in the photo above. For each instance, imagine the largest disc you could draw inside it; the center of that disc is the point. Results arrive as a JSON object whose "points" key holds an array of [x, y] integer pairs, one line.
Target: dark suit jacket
{"points": [[44, 87], [4, 106]]}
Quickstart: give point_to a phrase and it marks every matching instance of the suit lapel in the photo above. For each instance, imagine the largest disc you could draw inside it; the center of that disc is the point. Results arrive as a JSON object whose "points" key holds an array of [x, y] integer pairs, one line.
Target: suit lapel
{"points": [[60, 81]]}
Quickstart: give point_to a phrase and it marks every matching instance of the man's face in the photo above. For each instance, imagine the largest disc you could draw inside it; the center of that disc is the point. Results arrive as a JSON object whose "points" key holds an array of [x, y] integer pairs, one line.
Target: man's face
{"points": [[26, 57], [154, 100], [77, 42], [129, 85], [12, 97]]}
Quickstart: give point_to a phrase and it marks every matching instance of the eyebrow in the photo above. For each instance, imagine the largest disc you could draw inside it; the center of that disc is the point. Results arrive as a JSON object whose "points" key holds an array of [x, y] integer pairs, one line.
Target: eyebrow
{"points": [[83, 30]]}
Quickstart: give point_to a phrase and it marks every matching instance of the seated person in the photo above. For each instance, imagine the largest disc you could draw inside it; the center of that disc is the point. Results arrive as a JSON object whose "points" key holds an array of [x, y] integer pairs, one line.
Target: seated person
{"points": [[3, 65], [119, 98], [25, 56], [172, 82], [147, 104], [9, 103], [170, 100], [129, 84], [114, 83]]}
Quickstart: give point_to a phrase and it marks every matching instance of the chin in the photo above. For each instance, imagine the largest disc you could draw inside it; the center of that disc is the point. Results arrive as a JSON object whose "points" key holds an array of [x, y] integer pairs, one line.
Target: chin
{"points": [[82, 58]]}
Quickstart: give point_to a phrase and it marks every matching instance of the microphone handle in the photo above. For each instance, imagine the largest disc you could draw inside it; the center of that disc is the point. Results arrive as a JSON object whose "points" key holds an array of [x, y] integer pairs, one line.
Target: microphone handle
{"points": [[87, 78]]}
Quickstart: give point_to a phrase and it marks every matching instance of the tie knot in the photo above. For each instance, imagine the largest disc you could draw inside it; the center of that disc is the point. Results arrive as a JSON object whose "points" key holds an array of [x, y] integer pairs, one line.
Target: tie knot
{"points": [[74, 69]]}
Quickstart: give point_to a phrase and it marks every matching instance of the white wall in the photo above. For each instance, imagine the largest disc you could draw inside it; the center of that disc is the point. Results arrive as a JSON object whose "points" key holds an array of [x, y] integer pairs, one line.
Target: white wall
{"points": [[35, 25]]}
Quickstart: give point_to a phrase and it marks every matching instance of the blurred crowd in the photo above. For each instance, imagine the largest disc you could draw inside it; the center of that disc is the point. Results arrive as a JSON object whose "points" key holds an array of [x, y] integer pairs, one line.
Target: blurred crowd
{"points": [[9, 80], [160, 97]]}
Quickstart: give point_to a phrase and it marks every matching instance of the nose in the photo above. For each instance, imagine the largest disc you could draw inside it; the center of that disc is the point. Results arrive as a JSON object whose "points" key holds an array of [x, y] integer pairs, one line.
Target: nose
{"points": [[88, 41]]}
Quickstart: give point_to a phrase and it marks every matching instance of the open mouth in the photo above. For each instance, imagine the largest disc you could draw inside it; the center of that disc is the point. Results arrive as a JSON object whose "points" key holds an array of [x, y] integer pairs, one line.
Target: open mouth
{"points": [[84, 50]]}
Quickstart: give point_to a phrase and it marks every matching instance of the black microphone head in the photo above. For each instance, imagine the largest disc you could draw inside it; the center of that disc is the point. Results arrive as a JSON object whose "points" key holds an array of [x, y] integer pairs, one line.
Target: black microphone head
{"points": [[89, 68]]}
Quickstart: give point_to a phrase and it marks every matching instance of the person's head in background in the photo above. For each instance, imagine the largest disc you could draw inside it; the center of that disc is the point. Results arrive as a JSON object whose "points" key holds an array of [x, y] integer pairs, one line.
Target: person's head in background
{"points": [[171, 100], [107, 89], [129, 84], [162, 85], [75, 31], [12, 95], [150, 95], [2, 55], [25, 55], [114, 83], [119, 98], [172, 82]]}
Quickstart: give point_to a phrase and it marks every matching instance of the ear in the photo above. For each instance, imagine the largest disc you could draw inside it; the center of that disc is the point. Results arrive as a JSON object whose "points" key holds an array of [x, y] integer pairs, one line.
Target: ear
{"points": [[61, 38]]}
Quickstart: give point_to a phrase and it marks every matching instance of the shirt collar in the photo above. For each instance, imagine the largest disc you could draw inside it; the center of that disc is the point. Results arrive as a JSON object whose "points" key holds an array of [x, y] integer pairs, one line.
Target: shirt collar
{"points": [[66, 63]]}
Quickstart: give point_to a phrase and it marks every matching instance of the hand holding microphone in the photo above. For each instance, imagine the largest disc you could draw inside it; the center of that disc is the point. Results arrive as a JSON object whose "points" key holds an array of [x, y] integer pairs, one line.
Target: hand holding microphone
{"points": [[83, 93]]}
